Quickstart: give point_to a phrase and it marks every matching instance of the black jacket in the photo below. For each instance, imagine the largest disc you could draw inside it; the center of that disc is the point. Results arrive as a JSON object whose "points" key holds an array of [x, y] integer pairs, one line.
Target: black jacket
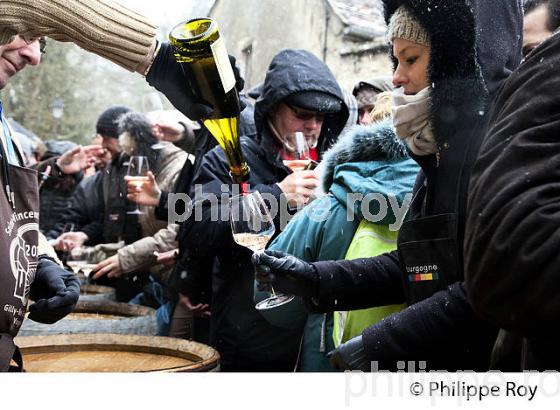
{"points": [[56, 193], [100, 207], [85, 211], [199, 283], [245, 340], [512, 236], [203, 143], [440, 327]]}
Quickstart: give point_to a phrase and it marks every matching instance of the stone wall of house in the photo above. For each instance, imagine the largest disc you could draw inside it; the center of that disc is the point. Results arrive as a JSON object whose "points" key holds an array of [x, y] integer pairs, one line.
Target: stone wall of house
{"points": [[256, 31]]}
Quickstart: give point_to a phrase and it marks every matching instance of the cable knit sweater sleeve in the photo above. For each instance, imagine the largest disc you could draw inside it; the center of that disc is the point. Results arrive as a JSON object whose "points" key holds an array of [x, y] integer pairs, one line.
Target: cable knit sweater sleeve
{"points": [[100, 26]]}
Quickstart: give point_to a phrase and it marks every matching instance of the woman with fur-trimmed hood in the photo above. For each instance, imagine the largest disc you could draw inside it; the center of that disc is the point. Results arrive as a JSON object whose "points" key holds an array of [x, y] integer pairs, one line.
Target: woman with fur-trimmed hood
{"points": [[451, 56]]}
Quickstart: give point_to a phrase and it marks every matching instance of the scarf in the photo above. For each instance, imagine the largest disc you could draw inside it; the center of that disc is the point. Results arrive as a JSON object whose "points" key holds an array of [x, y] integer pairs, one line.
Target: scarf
{"points": [[411, 120]]}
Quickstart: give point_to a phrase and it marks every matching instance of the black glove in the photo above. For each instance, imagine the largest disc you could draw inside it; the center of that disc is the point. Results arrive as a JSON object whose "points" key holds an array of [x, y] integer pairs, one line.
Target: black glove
{"points": [[55, 292], [350, 356], [285, 273], [171, 78]]}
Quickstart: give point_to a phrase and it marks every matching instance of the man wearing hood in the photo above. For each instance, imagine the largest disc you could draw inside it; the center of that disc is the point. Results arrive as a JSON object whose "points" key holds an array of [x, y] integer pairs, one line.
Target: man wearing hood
{"points": [[440, 327], [299, 94]]}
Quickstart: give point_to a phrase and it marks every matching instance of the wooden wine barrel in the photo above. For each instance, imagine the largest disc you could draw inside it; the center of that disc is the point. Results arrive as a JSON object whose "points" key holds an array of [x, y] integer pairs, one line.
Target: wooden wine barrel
{"points": [[98, 317], [115, 353], [93, 293]]}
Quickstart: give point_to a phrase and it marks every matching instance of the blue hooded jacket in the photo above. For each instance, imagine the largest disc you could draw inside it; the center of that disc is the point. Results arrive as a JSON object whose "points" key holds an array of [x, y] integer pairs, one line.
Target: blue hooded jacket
{"points": [[368, 160]]}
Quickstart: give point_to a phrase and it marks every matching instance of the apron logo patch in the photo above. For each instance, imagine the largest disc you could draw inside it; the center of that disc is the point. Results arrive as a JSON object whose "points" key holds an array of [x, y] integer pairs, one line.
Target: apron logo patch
{"points": [[423, 277], [23, 259], [422, 273]]}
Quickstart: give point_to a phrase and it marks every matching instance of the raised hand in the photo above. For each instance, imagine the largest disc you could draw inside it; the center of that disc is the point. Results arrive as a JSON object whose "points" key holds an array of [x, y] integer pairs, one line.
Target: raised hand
{"points": [[146, 194], [79, 158]]}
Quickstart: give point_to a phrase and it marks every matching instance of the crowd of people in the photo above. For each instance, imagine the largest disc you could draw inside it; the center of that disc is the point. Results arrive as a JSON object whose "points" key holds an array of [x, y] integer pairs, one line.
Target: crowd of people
{"points": [[426, 233]]}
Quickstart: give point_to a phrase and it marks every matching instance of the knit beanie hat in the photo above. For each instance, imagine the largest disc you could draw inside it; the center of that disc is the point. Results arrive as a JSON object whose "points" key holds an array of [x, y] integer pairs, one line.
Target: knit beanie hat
{"points": [[404, 25], [108, 122]]}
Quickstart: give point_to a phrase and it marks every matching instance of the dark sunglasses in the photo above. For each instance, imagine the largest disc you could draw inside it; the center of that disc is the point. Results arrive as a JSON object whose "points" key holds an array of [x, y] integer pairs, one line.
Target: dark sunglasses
{"points": [[306, 115]]}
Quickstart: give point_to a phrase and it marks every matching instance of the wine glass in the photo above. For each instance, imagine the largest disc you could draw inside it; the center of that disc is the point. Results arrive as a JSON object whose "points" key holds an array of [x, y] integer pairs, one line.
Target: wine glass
{"points": [[252, 227], [76, 260], [80, 260], [137, 175], [295, 152], [152, 104]]}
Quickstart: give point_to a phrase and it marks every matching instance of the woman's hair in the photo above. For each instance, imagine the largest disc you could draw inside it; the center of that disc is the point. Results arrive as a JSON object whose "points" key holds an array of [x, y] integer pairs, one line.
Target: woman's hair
{"points": [[383, 107], [136, 136]]}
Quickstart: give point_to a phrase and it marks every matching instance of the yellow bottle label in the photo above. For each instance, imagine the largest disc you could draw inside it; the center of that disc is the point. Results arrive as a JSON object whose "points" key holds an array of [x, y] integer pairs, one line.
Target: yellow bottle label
{"points": [[222, 63]]}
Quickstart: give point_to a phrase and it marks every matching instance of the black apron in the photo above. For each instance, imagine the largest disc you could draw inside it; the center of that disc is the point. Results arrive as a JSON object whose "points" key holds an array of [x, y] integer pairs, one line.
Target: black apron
{"points": [[428, 246], [19, 221], [429, 255]]}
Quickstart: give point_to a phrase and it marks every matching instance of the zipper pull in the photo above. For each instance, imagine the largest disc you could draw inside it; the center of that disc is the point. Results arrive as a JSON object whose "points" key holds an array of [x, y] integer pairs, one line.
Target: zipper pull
{"points": [[438, 153], [10, 196]]}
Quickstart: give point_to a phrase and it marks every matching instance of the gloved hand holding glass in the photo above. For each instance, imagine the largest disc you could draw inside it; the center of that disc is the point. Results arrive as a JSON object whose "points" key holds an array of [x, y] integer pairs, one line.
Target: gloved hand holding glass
{"points": [[252, 227]]}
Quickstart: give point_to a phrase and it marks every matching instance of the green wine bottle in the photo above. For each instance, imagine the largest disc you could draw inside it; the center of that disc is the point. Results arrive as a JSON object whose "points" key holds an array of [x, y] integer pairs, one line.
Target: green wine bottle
{"points": [[201, 49]]}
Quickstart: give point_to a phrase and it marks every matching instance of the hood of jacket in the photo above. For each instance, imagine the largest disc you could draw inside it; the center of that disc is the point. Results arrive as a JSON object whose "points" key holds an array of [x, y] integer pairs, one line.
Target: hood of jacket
{"points": [[369, 160], [380, 83], [292, 71], [478, 45]]}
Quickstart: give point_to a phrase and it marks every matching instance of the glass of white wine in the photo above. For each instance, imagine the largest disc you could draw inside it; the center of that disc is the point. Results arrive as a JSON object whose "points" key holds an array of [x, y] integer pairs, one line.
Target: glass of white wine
{"points": [[137, 175], [252, 227]]}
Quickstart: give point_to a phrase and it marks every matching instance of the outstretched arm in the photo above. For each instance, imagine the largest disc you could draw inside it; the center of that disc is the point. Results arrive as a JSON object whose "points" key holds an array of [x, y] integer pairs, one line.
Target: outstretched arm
{"points": [[101, 26]]}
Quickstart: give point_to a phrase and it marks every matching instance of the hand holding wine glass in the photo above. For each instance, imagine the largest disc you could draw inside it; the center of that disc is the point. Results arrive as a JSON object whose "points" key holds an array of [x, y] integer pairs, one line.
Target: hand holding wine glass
{"points": [[148, 193], [299, 187], [287, 272], [252, 227], [137, 175]]}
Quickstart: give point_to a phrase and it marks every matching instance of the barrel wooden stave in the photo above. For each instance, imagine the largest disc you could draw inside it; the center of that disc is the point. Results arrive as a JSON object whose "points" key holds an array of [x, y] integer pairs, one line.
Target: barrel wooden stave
{"points": [[69, 353], [133, 319]]}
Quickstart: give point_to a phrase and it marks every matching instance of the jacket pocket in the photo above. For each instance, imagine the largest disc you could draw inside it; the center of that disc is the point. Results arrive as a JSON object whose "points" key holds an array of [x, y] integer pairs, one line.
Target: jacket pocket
{"points": [[429, 266]]}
